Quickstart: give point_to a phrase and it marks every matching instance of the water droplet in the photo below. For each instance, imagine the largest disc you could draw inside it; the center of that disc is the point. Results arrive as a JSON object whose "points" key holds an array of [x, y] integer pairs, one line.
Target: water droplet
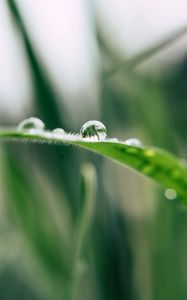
{"points": [[31, 124], [113, 140], [94, 130], [133, 142], [59, 131], [170, 194]]}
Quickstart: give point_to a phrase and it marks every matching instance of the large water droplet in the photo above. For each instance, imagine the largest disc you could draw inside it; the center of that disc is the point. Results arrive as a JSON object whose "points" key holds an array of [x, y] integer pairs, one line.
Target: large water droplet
{"points": [[94, 130], [170, 194], [59, 131], [133, 142], [30, 124]]}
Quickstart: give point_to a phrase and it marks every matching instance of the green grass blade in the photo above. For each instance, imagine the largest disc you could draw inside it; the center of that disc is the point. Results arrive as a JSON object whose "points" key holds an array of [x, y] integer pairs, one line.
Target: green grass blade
{"points": [[155, 163], [46, 101], [148, 53], [87, 203], [83, 221], [34, 218]]}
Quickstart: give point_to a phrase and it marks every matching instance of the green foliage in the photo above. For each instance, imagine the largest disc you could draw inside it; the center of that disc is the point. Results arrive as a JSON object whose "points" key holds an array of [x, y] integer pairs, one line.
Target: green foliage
{"points": [[63, 236], [155, 163]]}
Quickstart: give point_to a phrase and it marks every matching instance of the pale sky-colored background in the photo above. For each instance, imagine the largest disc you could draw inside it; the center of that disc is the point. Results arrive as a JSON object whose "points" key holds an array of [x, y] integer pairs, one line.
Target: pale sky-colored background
{"points": [[63, 35]]}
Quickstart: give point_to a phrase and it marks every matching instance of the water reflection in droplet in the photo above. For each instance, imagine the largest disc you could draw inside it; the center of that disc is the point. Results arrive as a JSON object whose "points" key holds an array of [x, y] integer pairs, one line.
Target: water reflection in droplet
{"points": [[30, 124], [93, 130]]}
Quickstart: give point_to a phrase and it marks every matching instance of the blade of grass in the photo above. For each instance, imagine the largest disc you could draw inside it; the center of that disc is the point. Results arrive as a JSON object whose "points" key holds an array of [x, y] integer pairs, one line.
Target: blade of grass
{"points": [[83, 221], [34, 220], [87, 195], [45, 100], [146, 54], [155, 163], [44, 95]]}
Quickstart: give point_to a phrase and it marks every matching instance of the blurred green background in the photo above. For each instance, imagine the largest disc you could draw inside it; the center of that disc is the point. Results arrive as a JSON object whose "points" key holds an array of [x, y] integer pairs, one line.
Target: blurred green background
{"points": [[74, 225]]}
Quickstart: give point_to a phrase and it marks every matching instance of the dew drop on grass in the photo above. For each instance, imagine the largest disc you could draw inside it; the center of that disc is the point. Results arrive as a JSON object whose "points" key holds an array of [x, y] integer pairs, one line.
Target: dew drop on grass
{"points": [[30, 124], [93, 130], [113, 140], [170, 194], [59, 131], [133, 142]]}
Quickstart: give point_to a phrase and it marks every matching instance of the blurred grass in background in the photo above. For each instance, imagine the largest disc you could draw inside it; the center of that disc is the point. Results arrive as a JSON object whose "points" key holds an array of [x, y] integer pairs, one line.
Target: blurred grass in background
{"points": [[70, 229]]}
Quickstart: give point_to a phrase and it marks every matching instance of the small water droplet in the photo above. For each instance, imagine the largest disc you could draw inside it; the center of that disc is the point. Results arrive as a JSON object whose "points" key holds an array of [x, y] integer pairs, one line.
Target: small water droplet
{"points": [[31, 124], [113, 140], [94, 130], [133, 142], [59, 131], [170, 194]]}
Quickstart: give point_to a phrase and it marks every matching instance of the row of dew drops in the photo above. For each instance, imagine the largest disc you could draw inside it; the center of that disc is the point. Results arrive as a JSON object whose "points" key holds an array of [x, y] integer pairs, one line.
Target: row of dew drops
{"points": [[91, 130]]}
